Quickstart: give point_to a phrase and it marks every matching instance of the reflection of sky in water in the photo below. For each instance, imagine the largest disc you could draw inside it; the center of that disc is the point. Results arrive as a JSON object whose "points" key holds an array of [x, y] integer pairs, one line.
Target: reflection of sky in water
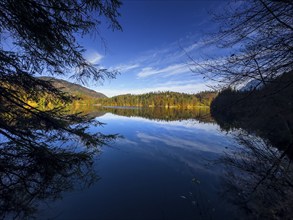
{"points": [[148, 173]]}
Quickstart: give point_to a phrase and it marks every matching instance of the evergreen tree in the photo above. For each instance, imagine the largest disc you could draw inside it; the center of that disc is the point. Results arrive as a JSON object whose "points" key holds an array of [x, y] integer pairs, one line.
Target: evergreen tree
{"points": [[43, 35], [38, 37]]}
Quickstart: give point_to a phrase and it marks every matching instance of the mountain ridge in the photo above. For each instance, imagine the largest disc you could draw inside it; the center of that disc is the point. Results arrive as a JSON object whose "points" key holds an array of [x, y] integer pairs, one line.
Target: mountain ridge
{"points": [[73, 88]]}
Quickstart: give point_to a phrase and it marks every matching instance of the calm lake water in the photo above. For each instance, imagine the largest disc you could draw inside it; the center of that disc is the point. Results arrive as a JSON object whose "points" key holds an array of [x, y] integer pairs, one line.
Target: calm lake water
{"points": [[162, 167]]}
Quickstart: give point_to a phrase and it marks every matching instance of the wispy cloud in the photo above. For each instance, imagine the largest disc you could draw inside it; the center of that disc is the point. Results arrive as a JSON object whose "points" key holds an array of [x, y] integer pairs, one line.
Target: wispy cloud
{"points": [[177, 83], [125, 68], [191, 87], [192, 47], [95, 58], [169, 70], [161, 69], [170, 57]]}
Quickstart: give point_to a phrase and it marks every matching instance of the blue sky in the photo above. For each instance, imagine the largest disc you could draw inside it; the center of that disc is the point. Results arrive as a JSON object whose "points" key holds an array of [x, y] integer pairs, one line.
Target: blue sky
{"points": [[150, 52]]}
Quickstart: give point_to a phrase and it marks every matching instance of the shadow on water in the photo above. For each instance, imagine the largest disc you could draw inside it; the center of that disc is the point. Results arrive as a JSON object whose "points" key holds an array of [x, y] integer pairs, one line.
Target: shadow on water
{"points": [[30, 176], [259, 178], [259, 173], [38, 170]]}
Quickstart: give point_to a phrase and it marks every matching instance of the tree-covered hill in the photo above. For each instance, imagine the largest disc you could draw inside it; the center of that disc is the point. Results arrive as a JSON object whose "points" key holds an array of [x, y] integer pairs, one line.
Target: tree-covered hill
{"points": [[152, 99], [74, 89]]}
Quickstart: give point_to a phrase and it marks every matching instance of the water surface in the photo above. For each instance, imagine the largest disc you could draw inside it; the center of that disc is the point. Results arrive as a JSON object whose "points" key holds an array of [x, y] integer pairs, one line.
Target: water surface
{"points": [[165, 164], [158, 169]]}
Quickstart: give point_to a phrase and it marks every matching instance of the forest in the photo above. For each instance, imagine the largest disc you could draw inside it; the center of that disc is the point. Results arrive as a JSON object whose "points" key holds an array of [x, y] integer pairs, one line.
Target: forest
{"points": [[78, 96], [162, 99], [266, 111]]}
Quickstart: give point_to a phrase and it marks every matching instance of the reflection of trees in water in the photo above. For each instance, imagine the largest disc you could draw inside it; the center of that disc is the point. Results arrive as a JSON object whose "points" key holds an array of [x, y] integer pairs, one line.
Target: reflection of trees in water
{"points": [[164, 114], [30, 175], [259, 178], [91, 111], [42, 163]]}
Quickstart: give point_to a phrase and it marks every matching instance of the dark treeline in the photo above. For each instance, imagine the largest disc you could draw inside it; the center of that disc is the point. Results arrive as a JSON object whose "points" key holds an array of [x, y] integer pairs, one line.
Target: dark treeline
{"points": [[266, 112], [162, 99]]}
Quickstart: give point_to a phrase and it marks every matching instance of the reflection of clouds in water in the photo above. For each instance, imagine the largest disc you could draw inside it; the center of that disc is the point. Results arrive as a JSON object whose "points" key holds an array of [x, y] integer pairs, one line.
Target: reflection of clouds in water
{"points": [[191, 126], [187, 152], [169, 140], [198, 165], [188, 142], [125, 141], [188, 125], [189, 135]]}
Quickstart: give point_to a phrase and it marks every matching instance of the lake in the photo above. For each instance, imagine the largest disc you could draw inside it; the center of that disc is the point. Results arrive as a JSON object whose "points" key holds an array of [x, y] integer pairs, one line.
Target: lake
{"points": [[167, 164]]}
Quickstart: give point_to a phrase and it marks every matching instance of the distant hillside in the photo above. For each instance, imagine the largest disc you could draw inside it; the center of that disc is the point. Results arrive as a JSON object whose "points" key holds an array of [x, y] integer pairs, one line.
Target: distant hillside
{"points": [[152, 99], [74, 89]]}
